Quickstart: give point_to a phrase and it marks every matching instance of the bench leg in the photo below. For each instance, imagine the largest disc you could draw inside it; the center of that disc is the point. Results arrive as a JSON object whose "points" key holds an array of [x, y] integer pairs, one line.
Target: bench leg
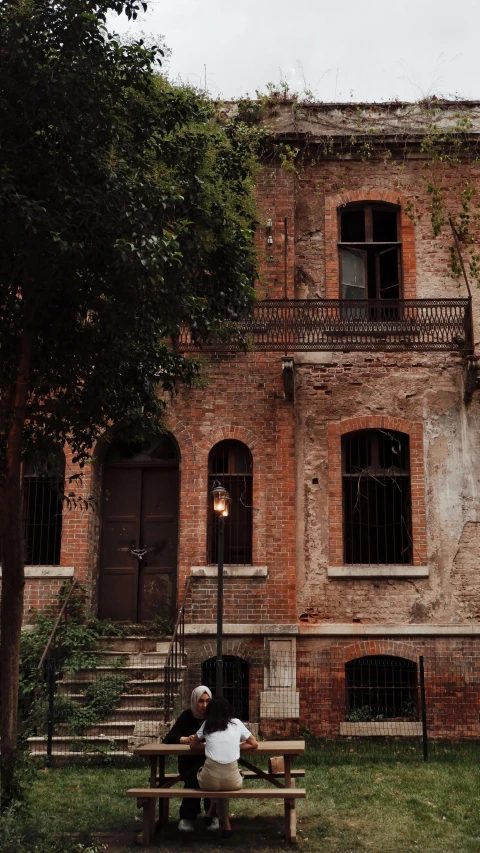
{"points": [[290, 821], [163, 812], [148, 821], [290, 812]]}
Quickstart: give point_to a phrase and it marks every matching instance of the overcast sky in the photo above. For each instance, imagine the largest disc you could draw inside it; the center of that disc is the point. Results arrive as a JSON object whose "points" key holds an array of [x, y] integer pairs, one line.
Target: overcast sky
{"points": [[341, 49]]}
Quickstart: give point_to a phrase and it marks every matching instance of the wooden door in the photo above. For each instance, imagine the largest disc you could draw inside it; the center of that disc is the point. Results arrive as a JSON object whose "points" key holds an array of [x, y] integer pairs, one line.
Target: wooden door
{"points": [[158, 536], [138, 555]]}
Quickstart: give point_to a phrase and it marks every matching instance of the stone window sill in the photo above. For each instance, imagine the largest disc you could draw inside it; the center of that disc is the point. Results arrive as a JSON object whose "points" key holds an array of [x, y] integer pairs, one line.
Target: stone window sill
{"points": [[381, 729], [230, 571], [54, 572], [366, 572]]}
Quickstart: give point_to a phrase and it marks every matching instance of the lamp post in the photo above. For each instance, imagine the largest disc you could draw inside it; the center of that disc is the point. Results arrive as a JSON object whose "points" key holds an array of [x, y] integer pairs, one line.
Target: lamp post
{"points": [[221, 504]]}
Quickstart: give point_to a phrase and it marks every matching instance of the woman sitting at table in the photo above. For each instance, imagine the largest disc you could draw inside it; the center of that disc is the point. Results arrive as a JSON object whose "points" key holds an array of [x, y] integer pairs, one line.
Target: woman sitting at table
{"points": [[183, 731], [223, 733]]}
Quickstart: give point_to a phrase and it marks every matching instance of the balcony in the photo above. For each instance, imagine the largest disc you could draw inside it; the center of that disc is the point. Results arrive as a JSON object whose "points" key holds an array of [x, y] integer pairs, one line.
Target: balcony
{"points": [[313, 325]]}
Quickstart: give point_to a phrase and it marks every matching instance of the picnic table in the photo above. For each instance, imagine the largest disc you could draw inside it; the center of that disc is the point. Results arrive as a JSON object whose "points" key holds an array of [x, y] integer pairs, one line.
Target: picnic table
{"points": [[161, 783]]}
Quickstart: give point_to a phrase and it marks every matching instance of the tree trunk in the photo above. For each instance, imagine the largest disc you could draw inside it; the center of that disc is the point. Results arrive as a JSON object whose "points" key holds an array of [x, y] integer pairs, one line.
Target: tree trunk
{"points": [[13, 582], [13, 570]]}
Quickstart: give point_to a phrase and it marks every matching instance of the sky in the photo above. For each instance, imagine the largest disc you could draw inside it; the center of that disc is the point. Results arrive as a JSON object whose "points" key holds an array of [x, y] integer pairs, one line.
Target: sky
{"points": [[348, 50]]}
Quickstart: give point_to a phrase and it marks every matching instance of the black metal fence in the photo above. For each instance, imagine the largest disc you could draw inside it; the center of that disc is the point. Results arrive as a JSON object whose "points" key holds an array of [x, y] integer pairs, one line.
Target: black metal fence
{"points": [[309, 325], [104, 707]]}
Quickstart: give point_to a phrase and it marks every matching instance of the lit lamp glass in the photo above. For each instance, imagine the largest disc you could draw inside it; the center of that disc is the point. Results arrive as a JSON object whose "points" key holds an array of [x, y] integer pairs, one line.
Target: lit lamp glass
{"points": [[220, 498], [226, 511]]}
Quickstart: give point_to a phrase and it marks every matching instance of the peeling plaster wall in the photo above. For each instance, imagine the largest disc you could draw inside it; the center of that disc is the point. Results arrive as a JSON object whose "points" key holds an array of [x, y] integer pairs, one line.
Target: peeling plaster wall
{"points": [[424, 388]]}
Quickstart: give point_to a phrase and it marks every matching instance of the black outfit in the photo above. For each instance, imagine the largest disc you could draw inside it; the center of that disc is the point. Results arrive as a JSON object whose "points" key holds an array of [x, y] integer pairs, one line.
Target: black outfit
{"points": [[185, 726]]}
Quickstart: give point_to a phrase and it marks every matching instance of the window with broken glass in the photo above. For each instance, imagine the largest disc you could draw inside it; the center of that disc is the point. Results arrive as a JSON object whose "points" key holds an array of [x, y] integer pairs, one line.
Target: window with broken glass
{"points": [[230, 465], [370, 255], [377, 527]]}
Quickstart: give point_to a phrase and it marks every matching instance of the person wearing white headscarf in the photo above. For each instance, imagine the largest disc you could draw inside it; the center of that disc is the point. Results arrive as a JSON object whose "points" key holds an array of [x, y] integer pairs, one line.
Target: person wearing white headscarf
{"points": [[183, 731]]}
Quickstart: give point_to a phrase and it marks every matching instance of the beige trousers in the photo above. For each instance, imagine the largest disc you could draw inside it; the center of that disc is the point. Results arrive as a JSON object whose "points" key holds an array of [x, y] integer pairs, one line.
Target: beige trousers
{"points": [[214, 776]]}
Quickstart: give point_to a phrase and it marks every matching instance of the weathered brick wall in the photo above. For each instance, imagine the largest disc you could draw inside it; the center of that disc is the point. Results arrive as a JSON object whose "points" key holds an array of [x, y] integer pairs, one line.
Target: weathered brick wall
{"points": [[452, 686], [425, 390], [243, 400], [295, 519], [422, 390], [41, 594]]}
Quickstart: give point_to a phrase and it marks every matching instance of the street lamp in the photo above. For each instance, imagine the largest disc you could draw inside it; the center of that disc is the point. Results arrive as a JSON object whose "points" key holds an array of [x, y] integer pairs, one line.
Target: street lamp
{"points": [[221, 506]]}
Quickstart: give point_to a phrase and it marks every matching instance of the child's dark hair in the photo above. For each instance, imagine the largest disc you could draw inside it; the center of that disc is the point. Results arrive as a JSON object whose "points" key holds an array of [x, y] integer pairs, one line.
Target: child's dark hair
{"points": [[218, 715]]}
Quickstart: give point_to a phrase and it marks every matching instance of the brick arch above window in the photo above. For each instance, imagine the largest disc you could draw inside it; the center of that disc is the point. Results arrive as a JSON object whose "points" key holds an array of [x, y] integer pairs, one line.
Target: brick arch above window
{"points": [[414, 430], [333, 203], [364, 648]]}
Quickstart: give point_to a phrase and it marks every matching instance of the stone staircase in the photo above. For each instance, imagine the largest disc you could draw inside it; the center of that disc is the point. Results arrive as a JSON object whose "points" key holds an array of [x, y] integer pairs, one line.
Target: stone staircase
{"points": [[138, 716]]}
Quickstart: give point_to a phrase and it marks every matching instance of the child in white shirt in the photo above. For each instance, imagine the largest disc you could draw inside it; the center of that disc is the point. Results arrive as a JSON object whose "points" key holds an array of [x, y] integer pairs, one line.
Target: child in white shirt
{"points": [[223, 733]]}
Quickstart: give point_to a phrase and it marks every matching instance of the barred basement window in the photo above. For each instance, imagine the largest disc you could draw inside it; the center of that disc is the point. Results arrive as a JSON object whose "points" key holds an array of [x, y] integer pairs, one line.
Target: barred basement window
{"points": [[381, 688], [370, 251], [230, 465], [42, 512], [377, 527], [235, 682]]}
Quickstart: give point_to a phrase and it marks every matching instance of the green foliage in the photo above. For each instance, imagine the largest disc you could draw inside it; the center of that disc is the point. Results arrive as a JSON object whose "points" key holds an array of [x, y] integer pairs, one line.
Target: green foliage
{"points": [[127, 210], [100, 699], [349, 783], [78, 641], [14, 838], [363, 715]]}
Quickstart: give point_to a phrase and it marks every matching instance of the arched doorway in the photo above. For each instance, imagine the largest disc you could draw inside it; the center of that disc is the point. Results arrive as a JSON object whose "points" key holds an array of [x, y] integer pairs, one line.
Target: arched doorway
{"points": [[139, 542]]}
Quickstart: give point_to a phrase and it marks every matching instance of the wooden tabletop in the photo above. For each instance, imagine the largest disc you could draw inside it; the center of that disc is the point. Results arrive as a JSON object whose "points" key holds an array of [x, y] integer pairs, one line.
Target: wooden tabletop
{"points": [[265, 747]]}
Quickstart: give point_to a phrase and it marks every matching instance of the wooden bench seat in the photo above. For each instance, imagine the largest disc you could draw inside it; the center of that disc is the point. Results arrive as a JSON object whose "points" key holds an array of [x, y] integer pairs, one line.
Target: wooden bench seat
{"points": [[247, 774], [146, 798]]}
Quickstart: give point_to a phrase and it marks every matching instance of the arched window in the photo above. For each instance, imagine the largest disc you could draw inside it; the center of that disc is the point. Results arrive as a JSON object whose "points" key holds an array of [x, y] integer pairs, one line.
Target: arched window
{"points": [[381, 687], [377, 526], [235, 682], [230, 465], [370, 251], [43, 487]]}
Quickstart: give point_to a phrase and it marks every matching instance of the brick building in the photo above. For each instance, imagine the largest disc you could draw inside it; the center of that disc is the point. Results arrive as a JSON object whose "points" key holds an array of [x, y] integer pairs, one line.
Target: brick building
{"points": [[347, 435]]}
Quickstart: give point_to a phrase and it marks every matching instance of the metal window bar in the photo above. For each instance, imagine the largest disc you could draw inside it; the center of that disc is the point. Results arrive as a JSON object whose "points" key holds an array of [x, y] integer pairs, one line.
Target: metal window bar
{"points": [[235, 682], [384, 687], [42, 520], [377, 526], [230, 465]]}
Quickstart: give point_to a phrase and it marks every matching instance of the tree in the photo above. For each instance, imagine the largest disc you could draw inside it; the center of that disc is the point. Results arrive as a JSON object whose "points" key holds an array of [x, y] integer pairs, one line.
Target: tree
{"points": [[126, 211]]}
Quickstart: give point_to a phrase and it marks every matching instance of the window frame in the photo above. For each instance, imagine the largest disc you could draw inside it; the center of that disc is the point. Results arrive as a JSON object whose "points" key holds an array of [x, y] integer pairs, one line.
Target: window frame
{"points": [[370, 680], [374, 474], [364, 246], [226, 479], [40, 520]]}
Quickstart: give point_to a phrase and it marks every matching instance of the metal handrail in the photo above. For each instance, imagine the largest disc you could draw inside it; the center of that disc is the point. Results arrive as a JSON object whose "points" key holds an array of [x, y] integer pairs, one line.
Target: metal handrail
{"points": [[175, 654], [47, 668], [312, 325], [54, 629]]}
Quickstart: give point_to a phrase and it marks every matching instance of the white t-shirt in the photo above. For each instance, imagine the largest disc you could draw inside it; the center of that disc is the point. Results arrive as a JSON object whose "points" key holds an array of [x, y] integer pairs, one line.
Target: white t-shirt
{"points": [[224, 747]]}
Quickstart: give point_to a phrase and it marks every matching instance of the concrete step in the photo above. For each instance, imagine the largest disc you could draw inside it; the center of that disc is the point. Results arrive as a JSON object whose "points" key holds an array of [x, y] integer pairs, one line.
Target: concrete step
{"points": [[70, 756], [112, 730], [129, 644], [109, 657], [134, 674], [128, 701], [62, 743]]}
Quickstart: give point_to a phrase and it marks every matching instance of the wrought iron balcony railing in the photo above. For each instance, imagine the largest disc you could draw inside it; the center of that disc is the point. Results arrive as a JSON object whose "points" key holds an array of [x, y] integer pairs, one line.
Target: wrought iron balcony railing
{"points": [[310, 325]]}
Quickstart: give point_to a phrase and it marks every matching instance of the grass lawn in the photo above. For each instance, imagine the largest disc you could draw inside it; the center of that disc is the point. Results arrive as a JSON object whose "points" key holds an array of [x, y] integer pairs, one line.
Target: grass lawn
{"points": [[361, 797]]}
